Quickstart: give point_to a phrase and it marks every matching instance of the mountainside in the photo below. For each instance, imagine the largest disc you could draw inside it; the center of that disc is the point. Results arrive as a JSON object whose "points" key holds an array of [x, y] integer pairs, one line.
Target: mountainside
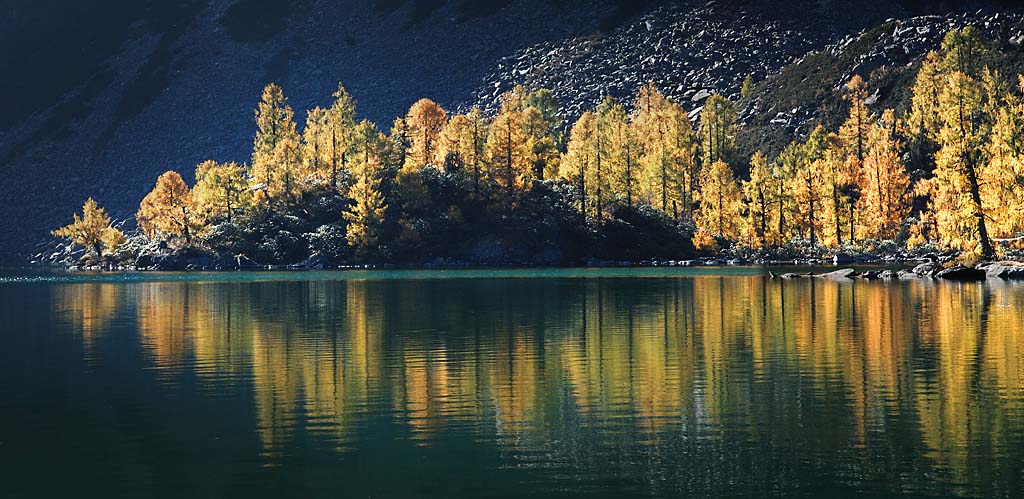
{"points": [[810, 91], [106, 95]]}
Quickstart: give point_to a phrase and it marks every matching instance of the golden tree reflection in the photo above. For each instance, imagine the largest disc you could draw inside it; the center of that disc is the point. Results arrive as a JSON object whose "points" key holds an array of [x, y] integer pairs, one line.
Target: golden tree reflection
{"points": [[711, 356]]}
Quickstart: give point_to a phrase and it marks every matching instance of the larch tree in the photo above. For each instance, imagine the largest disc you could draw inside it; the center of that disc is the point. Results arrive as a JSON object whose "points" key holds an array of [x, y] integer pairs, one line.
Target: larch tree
{"points": [[275, 122], [617, 136], [759, 192], [720, 203], [341, 120], [507, 154], [365, 215], [807, 182], [316, 137], [221, 191], [425, 120], [455, 144], [885, 183], [836, 173], [577, 164], [92, 230], [168, 209], [858, 124], [541, 143], [663, 133], [480, 126], [717, 130], [961, 138], [1002, 192]]}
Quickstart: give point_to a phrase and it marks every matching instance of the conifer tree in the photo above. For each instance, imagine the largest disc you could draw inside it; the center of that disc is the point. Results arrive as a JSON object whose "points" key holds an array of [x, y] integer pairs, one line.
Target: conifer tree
{"points": [[366, 214], [577, 165], [759, 192], [885, 182], [168, 209], [425, 120], [855, 130], [720, 202], [341, 119], [221, 191], [276, 140], [507, 153], [92, 231], [664, 136], [717, 130]]}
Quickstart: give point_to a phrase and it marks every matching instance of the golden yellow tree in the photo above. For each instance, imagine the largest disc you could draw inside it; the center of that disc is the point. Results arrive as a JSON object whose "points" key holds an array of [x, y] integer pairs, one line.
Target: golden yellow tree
{"points": [[664, 136], [92, 230], [1002, 190], [759, 192], [620, 151], [366, 214], [168, 209], [717, 130], [221, 191], [857, 127], [341, 119], [720, 202], [425, 120], [578, 163], [276, 140], [962, 222], [807, 183], [886, 184], [316, 139], [507, 153]]}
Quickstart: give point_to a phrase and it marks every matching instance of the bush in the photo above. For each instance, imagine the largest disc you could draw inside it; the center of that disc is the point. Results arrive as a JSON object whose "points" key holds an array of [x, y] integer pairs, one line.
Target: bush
{"points": [[329, 240]]}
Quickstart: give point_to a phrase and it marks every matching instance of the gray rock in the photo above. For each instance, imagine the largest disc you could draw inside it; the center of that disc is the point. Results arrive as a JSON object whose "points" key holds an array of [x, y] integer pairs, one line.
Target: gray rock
{"points": [[316, 261], [928, 269], [838, 274], [1009, 271], [961, 274]]}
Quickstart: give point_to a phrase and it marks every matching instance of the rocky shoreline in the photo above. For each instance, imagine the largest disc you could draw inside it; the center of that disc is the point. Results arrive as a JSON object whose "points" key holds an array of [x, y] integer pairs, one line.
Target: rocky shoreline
{"points": [[1011, 271], [940, 267]]}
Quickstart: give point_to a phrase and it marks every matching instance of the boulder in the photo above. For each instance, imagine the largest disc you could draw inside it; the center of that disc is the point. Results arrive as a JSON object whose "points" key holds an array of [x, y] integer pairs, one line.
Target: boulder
{"points": [[928, 269], [1009, 271], [888, 274], [962, 274], [838, 274], [316, 261], [869, 274]]}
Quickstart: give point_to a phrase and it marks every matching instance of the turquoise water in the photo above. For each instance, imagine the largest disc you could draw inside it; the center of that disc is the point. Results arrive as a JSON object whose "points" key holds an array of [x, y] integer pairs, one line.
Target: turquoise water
{"points": [[652, 382]]}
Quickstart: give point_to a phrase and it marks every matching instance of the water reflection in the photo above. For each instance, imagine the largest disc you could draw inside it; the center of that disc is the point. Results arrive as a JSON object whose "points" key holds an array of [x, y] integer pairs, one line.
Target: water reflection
{"points": [[724, 384]]}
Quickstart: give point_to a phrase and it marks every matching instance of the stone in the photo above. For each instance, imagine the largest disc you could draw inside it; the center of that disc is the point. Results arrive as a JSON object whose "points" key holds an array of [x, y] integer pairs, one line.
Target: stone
{"points": [[961, 274], [928, 269], [1008, 271], [316, 261], [838, 274]]}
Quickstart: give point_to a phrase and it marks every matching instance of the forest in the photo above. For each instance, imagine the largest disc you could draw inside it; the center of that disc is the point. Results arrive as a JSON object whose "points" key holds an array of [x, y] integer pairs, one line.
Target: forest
{"points": [[627, 181]]}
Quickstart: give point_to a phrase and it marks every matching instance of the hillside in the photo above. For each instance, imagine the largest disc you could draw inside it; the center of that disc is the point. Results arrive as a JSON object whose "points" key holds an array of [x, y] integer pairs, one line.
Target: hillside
{"points": [[110, 94]]}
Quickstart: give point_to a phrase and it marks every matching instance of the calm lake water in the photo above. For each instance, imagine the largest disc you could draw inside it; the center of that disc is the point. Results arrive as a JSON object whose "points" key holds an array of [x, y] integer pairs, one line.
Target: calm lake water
{"points": [[620, 383]]}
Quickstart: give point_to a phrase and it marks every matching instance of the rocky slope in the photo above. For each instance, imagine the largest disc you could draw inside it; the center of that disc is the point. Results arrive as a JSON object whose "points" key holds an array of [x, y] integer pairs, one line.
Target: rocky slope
{"points": [[101, 97], [104, 96], [791, 102]]}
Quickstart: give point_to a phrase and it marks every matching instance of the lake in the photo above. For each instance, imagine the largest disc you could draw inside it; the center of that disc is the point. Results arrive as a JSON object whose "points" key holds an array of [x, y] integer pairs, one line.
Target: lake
{"points": [[518, 383]]}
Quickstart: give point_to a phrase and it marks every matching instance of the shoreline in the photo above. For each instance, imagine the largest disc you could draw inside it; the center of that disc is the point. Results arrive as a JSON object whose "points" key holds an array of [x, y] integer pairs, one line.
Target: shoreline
{"points": [[875, 269]]}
